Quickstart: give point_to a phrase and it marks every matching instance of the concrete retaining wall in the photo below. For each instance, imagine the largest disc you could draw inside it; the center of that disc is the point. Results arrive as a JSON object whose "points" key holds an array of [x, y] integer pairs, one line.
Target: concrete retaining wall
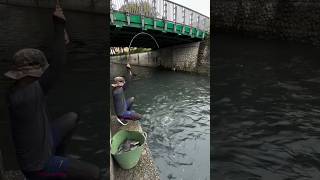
{"points": [[297, 20], [91, 6], [192, 57], [148, 59]]}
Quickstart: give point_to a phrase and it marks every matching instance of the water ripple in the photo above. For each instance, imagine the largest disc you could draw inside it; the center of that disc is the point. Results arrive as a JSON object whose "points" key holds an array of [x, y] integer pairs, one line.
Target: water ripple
{"points": [[176, 110], [266, 111]]}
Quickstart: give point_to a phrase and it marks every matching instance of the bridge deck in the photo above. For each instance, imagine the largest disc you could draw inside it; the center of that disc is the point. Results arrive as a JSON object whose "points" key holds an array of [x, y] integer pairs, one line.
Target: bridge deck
{"points": [[121, 19]]}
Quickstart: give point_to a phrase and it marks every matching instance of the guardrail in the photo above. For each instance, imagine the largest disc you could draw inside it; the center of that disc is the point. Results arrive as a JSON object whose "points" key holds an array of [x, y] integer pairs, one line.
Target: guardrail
{"points": [[163, 9]]}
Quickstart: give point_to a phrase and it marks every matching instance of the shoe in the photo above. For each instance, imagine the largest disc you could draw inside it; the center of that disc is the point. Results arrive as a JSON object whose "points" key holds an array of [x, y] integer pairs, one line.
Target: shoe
{"points": [[122, 121]]}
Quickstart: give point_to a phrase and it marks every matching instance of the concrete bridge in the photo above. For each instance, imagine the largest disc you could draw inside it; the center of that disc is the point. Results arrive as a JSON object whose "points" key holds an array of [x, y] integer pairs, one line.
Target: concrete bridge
{"points": [[170, 23]]}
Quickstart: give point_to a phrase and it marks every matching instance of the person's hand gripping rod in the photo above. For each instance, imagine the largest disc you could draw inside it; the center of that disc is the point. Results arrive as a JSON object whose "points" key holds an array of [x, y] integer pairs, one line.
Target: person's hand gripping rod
{"points": [[59, 13]]}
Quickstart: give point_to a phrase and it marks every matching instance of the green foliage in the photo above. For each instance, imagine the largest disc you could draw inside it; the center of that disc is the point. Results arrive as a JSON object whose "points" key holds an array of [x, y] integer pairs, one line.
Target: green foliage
{"points": [[132, 51], [142, 7]]}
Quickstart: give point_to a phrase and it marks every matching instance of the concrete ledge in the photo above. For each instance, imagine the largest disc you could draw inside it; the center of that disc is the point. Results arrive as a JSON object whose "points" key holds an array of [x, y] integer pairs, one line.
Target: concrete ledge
{"points": [[145, 169]]}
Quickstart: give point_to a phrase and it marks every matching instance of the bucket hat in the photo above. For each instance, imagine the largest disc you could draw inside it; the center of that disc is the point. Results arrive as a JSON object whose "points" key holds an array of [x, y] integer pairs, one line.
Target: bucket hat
{"points": [[27, 62], [119, 80]]}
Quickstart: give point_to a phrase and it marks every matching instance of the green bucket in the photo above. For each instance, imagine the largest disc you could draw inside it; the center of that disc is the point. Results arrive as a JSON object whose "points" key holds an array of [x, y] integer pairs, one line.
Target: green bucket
{"points": [[127, 160]]}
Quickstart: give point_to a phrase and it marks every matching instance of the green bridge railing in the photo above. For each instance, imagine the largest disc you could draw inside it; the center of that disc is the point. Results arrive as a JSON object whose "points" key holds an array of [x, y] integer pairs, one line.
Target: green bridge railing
{"points": [[163, 15]]}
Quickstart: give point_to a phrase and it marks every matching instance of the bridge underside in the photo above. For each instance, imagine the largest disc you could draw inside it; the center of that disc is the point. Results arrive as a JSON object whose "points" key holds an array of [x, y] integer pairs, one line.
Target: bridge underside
{"points": [[165, 33], [121, 37]]}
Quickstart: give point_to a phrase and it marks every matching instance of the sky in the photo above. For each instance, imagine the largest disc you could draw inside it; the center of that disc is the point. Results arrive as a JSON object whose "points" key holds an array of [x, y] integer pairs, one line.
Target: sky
{"points": [[201, 6]]}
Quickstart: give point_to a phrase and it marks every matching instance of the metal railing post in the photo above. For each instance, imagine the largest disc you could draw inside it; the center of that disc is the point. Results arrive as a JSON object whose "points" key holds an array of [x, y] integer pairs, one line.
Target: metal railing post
{"points": [[184, 19], [165, 12], [111, 17], [191, 20], [198, 21], [126, 4], [175, 17], [204, 23], [154, 14], [142, 14], [111, 12]]}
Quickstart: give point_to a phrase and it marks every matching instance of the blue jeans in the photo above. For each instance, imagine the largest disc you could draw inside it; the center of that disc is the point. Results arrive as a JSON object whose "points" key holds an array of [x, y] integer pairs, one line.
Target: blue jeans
{"points": [[130, 114]]}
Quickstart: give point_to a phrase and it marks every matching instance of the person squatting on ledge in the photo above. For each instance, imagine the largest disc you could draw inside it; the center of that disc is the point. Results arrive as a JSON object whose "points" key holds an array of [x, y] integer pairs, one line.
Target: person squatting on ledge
{"points": [[123, 107], [40, 141]]}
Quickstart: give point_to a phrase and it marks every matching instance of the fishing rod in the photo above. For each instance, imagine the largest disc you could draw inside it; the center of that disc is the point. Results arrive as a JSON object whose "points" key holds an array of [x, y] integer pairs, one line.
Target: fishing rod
{"points": [[141, 33], [138, 35]]}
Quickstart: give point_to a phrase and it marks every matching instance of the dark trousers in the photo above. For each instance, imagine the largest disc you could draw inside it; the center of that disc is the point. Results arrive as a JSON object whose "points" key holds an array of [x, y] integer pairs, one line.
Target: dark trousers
{"points": [[129, 114], [59, 167]]}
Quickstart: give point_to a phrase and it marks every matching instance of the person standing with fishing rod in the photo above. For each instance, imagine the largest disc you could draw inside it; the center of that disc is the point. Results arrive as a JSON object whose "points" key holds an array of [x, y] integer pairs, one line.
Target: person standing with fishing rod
{"points": [[40, 141]]}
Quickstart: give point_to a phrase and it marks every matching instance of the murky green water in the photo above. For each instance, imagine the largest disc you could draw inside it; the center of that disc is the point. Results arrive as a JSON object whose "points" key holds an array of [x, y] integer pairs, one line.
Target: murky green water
{"points": [[176, 110]]}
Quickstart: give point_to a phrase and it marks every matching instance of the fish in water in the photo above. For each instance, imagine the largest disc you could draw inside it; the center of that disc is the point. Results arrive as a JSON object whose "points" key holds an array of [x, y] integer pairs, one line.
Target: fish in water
{"points": [[128, 145]]}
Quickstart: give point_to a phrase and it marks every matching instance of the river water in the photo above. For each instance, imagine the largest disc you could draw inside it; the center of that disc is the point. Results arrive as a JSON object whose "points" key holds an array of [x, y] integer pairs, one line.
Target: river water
{"points": [[266, 110], [86, 68], [176, 116]]}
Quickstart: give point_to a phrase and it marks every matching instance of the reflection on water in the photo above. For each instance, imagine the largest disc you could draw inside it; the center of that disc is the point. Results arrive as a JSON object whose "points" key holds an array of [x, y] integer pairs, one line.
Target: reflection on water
{"points": [[175, 108], [86, 68], [267, 110]]}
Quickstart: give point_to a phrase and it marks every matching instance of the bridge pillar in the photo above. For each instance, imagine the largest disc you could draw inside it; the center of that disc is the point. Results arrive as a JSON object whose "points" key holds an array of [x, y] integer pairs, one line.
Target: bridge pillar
{"points": [[181, 57]]}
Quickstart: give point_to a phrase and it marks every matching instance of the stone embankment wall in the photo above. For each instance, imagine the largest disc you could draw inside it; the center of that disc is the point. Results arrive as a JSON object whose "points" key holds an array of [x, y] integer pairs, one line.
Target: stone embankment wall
{"points": [[203, 59], [181, 58], [148, 59], [91, 6], [192, 57], [297, 20]]}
